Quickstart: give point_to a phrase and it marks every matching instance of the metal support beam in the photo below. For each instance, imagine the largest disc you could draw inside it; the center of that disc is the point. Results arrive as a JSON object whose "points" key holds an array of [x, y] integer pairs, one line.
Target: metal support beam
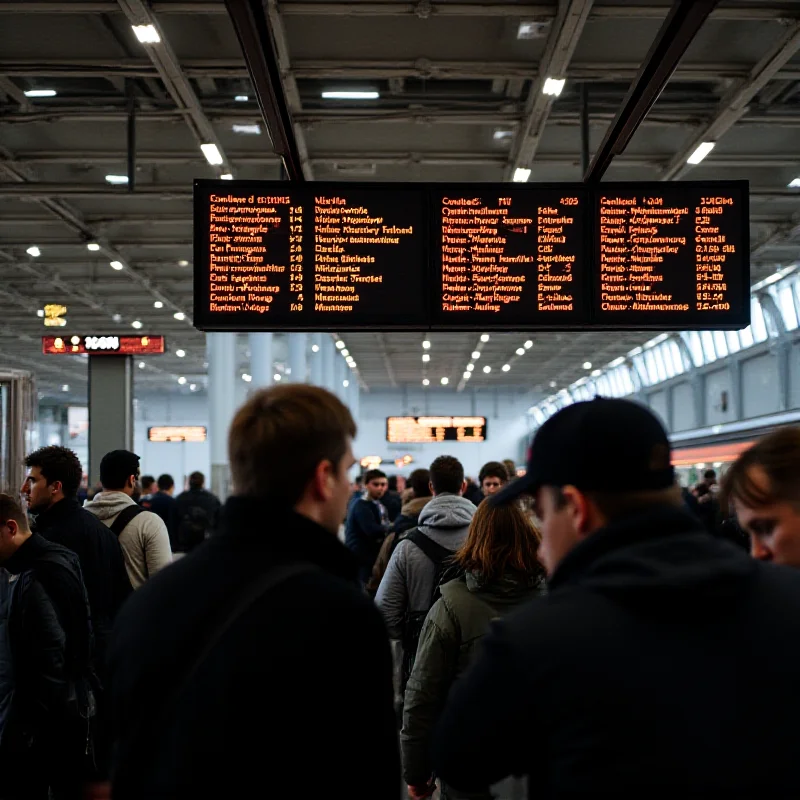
{"points": [[565, 32], [735, 105], [584, 128], [9, 88], [674, 37], [131, 137], [387, 361]]}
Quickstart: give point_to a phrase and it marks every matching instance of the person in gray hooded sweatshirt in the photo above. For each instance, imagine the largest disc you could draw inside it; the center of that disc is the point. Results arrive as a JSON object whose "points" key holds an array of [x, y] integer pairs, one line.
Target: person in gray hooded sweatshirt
{"points": [[142, 534], [410, 579]]}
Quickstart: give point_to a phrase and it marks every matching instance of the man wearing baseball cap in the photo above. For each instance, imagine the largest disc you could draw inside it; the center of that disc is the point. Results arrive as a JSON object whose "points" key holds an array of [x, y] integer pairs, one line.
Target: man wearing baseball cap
{"points": [[634, 676]]}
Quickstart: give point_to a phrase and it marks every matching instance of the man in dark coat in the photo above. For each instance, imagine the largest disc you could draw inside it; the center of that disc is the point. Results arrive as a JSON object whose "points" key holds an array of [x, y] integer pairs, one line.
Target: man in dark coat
{"points": [[47, 644], [215, 697], [368, 523], [663, 661], [197, 512]]}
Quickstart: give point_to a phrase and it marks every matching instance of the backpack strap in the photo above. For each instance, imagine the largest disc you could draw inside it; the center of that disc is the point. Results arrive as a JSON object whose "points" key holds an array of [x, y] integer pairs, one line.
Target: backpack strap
{"points": [[434, 551], [124, 517]]}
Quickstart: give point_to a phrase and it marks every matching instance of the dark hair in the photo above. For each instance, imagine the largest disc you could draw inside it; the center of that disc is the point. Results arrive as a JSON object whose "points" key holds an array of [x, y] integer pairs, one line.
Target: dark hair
{"points": [[11, 509], [511, 468], [501, 539], [358, 480], [393, 483], [494, 469], [281, 434], [447, 475], [147, 482], [196, 480], [165, 482], [373, 474], [116, 467], [778, 455], [58, 464], [419, 480], [710, 474]]}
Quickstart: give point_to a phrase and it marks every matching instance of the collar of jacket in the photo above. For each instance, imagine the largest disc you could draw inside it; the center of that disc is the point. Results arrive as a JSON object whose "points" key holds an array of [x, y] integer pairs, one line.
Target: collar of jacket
{"points": [[630, 533], [57, 512], [287, 534], [26, 554]]}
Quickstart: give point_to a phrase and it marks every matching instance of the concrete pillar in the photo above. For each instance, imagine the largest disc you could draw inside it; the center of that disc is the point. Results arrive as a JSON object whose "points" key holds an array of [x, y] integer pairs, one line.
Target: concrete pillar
{"points": [[110, 408], [315, 359], [222, 378], [261, 360], [329, 356], [297, 357], [354, 398]]}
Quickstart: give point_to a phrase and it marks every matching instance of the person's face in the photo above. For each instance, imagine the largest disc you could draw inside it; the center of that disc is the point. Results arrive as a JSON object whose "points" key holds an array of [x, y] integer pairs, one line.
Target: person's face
{"points": [[38, 494], [340, 490], [376, 488], [401, 483], [491, 484], [774, 529], [560, 526]]}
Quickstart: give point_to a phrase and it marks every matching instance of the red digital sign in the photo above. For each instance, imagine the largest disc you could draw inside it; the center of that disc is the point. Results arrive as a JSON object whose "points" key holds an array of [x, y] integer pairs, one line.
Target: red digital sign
{"points": [[74, 344]]}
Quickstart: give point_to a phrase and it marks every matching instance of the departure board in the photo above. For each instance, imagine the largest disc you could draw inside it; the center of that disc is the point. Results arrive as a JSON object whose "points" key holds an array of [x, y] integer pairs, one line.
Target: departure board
{"points": [[510, 257], [272, 255], [408, 430], [282, 256], [672, 255]]}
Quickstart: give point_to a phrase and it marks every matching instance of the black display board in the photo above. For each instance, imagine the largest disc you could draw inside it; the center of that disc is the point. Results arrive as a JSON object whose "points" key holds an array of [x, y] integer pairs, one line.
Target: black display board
{"points": [[280, 256]]}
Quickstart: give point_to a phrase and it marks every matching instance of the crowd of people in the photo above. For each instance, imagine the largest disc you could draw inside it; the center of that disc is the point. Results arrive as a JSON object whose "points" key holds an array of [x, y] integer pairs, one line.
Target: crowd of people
{"points": [[565, 631]]}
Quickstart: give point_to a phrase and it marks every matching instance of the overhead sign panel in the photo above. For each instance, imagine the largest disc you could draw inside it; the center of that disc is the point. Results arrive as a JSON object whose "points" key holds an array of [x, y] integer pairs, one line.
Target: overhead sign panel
{"points": [[409, 430], [74, 344], [177, 433], [318, 256]]}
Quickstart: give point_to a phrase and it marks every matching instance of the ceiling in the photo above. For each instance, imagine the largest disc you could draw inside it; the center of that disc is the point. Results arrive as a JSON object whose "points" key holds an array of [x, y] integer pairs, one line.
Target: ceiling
{"points": [[459, 101]]}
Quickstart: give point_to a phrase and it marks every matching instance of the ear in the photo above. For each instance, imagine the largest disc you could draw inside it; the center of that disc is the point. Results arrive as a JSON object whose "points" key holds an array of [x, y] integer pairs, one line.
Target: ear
{"points": [[57, 486], [13, 528], [580, 509], [430, 487], [463, 486], [323, 481]]}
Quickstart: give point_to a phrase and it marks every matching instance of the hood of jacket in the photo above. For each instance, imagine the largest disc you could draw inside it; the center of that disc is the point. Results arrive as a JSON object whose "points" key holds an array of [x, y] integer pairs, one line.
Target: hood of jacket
{"points": [[413, 507], [507, 591], [108, 504], [657, 563], [447, 511]]}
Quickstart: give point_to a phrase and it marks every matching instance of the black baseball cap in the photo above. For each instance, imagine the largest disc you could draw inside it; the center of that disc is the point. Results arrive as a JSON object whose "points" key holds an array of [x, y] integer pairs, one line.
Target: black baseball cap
{"points": [[601, 445]]}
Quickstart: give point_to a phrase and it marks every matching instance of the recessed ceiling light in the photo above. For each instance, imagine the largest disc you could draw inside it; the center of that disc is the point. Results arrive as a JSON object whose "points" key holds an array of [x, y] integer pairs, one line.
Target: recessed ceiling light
{"points": [[467, 376], [181, 380], [345, 353], [521, 175], [794, 183], [426, 358], [531, 29], [179, 315], [212, 154], [587, 364], [529, 344], [502, 135], [34, 251], [352, 364], [506, 367], [487, 369], [40, 312], [445, 381], [476, 354], [703, 149], [183, 263], [484, 337], [241, 98], [520, 351], [345, 383], [192, 387], [340, 345], [553, 384], [426, 344], [40, 93], [141, 365], [227, 176], [425, 382], [158, 304], [470, 367], [277, 377], [553, 86], [315, 348], [351, 95], [253, 130], [116, 180], [136, 324], [116, 317], [146, 34], [65, 387], [180, 353], [93, 246], [247, 378], [117, 265]]}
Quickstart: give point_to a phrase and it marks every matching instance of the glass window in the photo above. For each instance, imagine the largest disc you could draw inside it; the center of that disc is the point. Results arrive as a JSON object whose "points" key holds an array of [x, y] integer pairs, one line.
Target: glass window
{"points": [[708, 346], [626, 379], [720, 344], [757, 321], [746, 337], [661, 367], [604, 386], [641, 369], [734, 345], [782, 294], [692, 339], [675, 356]]}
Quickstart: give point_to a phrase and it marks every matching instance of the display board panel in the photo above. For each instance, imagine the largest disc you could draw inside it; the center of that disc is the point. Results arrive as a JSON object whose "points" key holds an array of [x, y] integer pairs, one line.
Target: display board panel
{"points": [[415, 430], [105, 344], [176, 433], [282, 256]]}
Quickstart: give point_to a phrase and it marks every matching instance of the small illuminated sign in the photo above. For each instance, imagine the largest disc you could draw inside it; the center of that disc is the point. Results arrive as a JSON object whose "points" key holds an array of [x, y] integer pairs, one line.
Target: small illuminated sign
{"points": [[177, 433], [54, 315], [435, 429], [103, 345], [371, 462]]}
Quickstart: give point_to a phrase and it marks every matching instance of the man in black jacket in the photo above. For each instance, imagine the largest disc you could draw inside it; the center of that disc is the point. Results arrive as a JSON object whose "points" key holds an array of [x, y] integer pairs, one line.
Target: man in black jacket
{"points": [[46, 708], [368, 522], [197, 513], [635, 675], [290, 691], [54, 474]]}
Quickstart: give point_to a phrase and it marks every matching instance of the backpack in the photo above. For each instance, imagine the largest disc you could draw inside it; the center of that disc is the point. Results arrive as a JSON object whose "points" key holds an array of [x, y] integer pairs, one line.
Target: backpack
{"points": [[192, 527], [442, 559]]}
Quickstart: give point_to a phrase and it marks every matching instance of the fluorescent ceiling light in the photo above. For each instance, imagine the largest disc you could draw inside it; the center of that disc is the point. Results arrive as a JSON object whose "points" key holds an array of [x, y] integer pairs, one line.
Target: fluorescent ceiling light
{"points": [[116, 180], [146, 34], [158, 304], [136, 324], [617, 362], [118, 265], [502, 135], [520, 351], [487, 369], [445, 381], [484, 337], [181, 380], [227, 176], [426, 344], [212, 154], [180, 353], [351, 95], [241, 98], [596, 373], [253, 129], [34, 251], [521, 175], [40, 312], [179, 315], [702, 151], [425, 382], [531, 29], [426, 358], [40, 93], [476, 354], [529, 344], [93, 246], [247, 378], [340, 345], [794, 183], [587, 364], [506, 367], [553, 86], [183, 263]]}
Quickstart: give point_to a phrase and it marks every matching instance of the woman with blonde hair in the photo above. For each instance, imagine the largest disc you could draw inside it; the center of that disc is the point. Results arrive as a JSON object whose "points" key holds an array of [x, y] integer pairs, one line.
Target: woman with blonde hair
{"points": [[499, 571]]}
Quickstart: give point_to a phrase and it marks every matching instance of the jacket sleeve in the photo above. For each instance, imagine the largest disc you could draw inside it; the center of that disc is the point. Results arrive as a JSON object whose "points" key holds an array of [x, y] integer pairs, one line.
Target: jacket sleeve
{"points": [[426, 692], [392, 597], [157, 551], [366, 524]]}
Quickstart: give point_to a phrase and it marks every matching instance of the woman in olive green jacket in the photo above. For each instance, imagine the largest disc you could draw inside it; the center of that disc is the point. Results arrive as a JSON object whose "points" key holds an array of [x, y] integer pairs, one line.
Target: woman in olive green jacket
{"points": [[500, 571]]}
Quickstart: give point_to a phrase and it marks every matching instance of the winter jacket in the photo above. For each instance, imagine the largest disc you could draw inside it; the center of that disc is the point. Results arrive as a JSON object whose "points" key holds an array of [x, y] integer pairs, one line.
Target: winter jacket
{"points": [[310, 661], [662, 663], [453, 628], [409, 580], [164, 505], [198, 517], [102, 564], [144, 540], [49, 647], [393, 504], [409, 515], [364, 532]]}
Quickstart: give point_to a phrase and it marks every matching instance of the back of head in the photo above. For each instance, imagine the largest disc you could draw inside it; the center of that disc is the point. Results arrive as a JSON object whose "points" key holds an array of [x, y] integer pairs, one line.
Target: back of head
{"points": [[148, 482], [116, 469], [501, 540], [493, 469], [710, 476], [58, 464], [10, 509], [279, 437], [197, 480], [165, 482], [419, 482], [777, 455], [447, 475], [393, 483]]}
